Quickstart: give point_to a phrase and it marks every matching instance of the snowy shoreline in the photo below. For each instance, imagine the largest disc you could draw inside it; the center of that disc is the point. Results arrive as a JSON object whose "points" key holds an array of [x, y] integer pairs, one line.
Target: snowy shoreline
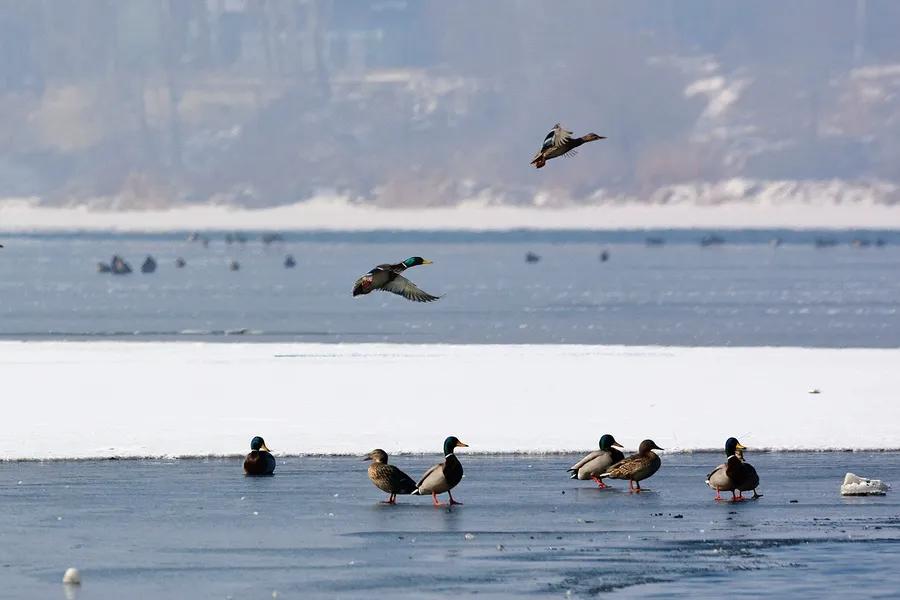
{"points": [[81, 400], [337, 214]]}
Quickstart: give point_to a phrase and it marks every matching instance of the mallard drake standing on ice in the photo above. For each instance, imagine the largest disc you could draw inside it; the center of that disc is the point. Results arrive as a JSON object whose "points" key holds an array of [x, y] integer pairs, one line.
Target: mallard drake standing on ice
{"points": [[735, 474], [444, 476], [388, 478], [559, 142], [636, 467], [598, 461], [260, 460], [387, 278]]}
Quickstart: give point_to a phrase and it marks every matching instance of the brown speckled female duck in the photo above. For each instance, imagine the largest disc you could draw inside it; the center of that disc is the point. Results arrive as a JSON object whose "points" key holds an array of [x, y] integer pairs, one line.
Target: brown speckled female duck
{"points": [[637, 467], [388, 478]]}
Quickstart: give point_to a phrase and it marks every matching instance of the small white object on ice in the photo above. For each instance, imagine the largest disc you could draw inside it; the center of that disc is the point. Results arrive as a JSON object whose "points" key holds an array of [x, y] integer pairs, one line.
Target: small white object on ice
{"points": [[72, 576], [855, 485], [815, 391], [469, 536]]}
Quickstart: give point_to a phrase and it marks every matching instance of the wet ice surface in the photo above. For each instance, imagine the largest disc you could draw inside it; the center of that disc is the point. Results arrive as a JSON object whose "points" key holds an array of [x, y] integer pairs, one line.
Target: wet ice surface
{"points": [[199, 529]]}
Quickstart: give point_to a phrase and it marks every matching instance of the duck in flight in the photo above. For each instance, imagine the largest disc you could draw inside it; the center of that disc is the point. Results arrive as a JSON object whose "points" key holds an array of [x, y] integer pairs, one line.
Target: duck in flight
{"points": [[387, 278], [560, 142]]}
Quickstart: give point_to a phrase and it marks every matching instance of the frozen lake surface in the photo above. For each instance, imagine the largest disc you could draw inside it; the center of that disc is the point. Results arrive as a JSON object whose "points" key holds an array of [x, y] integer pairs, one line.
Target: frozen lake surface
{"points": [[199, 529], [742, 293]]}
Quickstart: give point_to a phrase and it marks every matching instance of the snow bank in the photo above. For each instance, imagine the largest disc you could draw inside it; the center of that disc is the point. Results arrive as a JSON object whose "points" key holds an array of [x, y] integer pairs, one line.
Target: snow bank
{"points": [[95, 399], [733, 203]]}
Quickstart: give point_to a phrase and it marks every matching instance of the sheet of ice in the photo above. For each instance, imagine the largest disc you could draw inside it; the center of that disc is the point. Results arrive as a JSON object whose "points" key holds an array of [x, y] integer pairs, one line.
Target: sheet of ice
{"points": [[734, 203], [95, 399]]}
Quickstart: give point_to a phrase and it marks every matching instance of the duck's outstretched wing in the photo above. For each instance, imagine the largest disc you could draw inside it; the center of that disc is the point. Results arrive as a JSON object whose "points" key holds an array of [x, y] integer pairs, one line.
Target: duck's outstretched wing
{"points": [[404, 287], [556, 138]]}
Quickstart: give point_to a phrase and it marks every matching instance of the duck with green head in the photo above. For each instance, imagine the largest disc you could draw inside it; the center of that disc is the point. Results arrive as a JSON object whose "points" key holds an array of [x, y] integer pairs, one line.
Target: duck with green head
{"points": [[636, 467], [260, 460], [598, 461], [388, 478], [444, 476], [735, 475], [387, 278]]}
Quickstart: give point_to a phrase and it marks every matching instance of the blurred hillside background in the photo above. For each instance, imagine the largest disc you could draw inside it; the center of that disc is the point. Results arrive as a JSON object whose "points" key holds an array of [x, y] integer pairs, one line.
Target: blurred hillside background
{"points": [[156, 103]]}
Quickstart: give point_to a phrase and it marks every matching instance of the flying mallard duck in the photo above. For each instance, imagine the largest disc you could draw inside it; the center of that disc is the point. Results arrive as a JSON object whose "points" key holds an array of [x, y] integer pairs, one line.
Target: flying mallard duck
{"points": [[260, 460], [598, 461], [560, 142], [636, 467], [735, 474], [387, 278], [444, 476], [388, 478]]}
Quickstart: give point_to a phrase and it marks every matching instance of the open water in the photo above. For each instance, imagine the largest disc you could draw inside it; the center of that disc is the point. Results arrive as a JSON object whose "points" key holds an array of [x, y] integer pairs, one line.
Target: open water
{"points": [[744, 292]]}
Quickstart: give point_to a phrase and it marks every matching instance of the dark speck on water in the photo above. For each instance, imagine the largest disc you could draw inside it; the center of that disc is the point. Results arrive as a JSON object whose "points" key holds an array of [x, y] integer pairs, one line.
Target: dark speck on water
{"points": [[200, 529]]}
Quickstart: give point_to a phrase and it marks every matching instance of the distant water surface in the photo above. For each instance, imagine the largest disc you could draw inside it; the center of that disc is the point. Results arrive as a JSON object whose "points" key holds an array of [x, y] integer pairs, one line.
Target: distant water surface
{"points": [[743, 292]]}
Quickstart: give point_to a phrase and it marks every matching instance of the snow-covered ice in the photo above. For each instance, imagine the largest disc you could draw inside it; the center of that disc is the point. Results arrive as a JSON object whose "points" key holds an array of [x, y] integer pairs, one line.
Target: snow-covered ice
{"points": [[729, 204], [97, 399]]}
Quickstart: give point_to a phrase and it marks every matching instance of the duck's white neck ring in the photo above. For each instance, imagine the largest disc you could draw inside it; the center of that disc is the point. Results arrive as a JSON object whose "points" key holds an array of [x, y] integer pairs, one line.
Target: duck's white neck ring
{"points": [[449, 455]]}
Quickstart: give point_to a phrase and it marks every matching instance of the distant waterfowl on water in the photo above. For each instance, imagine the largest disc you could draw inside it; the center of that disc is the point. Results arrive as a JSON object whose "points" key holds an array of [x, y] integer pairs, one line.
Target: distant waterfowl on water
{"points": [[180, 263], [260, 460], [735, 475], [636, 467], [559, 142], [118, 266], [388, 478], [234, 266], [599, 461], [444, 476], [531, 257], [149, 265], [289, 262], [387, 278]]}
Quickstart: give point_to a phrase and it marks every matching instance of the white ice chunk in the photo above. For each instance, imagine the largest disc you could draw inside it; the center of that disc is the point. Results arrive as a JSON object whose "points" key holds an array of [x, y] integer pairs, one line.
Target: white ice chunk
{"points": [[72, 576], [854, 485]]}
